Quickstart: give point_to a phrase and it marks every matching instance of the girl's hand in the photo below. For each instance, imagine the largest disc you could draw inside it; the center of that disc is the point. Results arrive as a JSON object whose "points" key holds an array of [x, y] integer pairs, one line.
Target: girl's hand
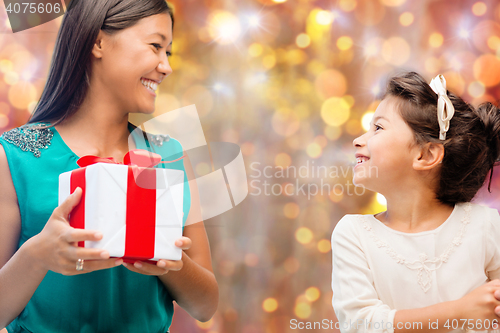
{"points": [[162, 266], [481, 304], [56, 246]]}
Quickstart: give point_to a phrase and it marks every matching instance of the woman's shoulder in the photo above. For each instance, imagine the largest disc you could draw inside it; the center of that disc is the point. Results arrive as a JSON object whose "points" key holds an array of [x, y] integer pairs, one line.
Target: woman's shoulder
{"points": [[32, 138], [169, 148]]}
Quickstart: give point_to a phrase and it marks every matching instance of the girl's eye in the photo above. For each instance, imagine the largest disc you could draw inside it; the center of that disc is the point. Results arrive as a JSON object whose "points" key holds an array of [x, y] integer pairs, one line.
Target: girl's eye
{"points": [[377, 127]]}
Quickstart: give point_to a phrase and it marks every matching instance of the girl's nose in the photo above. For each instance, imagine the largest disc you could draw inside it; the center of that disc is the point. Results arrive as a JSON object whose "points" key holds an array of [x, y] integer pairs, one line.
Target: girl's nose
{"points": [[358, 142]]}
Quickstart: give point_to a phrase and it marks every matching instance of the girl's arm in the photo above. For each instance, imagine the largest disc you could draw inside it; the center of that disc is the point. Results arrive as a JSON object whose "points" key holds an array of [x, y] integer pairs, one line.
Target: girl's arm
{"points": [[474, 311]]}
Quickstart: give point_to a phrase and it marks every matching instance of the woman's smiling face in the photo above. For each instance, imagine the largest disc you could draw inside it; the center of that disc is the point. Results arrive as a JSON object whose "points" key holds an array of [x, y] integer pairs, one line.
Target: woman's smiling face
{"points": [[133, 62], [385, 154]]}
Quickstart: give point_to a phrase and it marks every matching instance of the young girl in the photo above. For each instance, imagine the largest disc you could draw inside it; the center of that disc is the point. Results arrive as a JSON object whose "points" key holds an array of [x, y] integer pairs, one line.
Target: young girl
{"points": [[430, 263], [109, 57]]}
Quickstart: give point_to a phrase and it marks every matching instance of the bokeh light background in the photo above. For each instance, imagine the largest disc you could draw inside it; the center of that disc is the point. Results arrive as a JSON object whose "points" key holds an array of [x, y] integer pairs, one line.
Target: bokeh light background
{"points": [[293, 83]]}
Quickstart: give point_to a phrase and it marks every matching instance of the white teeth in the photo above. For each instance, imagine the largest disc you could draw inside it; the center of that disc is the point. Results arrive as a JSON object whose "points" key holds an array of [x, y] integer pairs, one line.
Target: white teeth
{"points": [[361, 160], [150, 84]]}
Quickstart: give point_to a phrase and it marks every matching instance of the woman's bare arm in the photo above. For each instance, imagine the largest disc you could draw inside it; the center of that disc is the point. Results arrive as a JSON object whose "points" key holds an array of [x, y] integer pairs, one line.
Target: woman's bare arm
{"points": [[53, 249], [20, 274]]}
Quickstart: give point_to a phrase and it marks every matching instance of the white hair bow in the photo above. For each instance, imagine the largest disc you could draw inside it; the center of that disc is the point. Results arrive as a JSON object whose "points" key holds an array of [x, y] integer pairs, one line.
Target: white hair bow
{"points": [[445, 108]]}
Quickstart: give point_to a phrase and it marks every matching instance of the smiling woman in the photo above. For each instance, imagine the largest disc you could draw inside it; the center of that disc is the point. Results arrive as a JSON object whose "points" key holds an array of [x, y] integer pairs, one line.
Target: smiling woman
{"points": [[110, 56]]}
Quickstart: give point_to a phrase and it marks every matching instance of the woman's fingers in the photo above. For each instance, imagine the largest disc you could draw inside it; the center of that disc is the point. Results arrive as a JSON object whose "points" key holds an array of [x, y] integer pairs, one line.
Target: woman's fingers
{"points": [[73, 235], [95, 265], [64, 209], [75, 253], [184, 243], [497, 294], [161, 267]]}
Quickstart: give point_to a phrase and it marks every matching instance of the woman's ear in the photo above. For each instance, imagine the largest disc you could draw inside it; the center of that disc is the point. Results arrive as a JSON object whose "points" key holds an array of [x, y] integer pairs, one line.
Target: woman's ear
{"points": [[430, 156], [97, 50]]}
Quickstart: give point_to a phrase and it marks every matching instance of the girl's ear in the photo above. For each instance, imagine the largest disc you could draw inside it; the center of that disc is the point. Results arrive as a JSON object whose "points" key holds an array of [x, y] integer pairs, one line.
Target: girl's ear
{"points": [[97, 50], [430, 156]]}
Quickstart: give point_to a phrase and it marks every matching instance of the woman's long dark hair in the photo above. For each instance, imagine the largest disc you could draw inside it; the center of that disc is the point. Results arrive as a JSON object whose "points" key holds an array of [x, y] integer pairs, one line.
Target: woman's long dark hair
{"points": [[69, 74]]}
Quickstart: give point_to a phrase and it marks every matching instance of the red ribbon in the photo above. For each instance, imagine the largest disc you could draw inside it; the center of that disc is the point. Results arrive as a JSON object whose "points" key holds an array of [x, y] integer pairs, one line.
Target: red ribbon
{"points": [[141, 200]]}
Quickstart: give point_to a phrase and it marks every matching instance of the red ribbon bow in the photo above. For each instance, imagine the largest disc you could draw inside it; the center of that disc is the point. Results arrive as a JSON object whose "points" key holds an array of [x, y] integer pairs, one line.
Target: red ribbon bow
{"points": [[138, 157]]}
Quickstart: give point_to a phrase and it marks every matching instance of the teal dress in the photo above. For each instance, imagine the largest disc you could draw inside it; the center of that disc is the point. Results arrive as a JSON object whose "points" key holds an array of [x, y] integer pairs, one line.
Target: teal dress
{"points": [[111, 300]]}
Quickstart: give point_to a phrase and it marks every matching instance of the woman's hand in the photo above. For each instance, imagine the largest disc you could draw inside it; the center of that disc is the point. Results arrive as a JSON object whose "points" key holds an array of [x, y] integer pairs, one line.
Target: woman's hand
{"points": [[481, 304], [56, 247], [162, 266]]}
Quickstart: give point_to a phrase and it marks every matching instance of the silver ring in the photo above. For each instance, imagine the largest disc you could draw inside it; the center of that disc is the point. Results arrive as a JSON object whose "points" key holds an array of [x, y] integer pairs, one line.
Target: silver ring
{"points": [[79, 265]]}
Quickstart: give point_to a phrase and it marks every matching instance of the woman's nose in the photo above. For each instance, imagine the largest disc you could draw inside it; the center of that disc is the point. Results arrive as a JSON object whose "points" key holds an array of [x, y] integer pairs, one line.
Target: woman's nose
{"points": [[164, 66]]}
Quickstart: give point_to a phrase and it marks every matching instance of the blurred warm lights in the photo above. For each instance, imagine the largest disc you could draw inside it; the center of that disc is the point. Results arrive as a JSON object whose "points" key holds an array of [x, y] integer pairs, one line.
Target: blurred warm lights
{"points": [[22, 94], [487, 70], [476, 89], [330, 83], [224, 27], [344, 43], [463, 33], [393, 3], [254, 21], [11, 78], [406, 19], [4, 121], [303, 40], [436, 40], [291, 210], [347, 5], [283, 160], [302, 310], [312, 294], [255, 50], [304, 235], [335, 111], [479, 8], [494, 42], [333, 132], [314, 150], [324, 17], [270, 304], [324, 245]]}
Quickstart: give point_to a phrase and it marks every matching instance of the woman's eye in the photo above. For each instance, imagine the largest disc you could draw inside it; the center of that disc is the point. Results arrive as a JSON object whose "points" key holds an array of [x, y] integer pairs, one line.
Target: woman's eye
{"points": [[157, 46], [169, 53], [377, 127]]}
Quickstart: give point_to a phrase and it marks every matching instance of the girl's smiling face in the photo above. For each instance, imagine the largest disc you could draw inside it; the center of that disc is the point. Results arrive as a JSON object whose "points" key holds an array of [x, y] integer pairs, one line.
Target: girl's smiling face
{"points": [[385, 154], [132, 63]]}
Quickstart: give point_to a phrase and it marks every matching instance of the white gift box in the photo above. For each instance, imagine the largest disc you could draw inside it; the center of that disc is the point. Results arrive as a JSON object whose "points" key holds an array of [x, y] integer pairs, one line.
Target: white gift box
{"points": [[133, 226]]}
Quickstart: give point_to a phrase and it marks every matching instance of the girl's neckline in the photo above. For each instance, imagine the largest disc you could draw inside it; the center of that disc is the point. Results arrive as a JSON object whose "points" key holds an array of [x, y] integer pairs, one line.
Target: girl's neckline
{"points": [[450, 217], [68, 149]]}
